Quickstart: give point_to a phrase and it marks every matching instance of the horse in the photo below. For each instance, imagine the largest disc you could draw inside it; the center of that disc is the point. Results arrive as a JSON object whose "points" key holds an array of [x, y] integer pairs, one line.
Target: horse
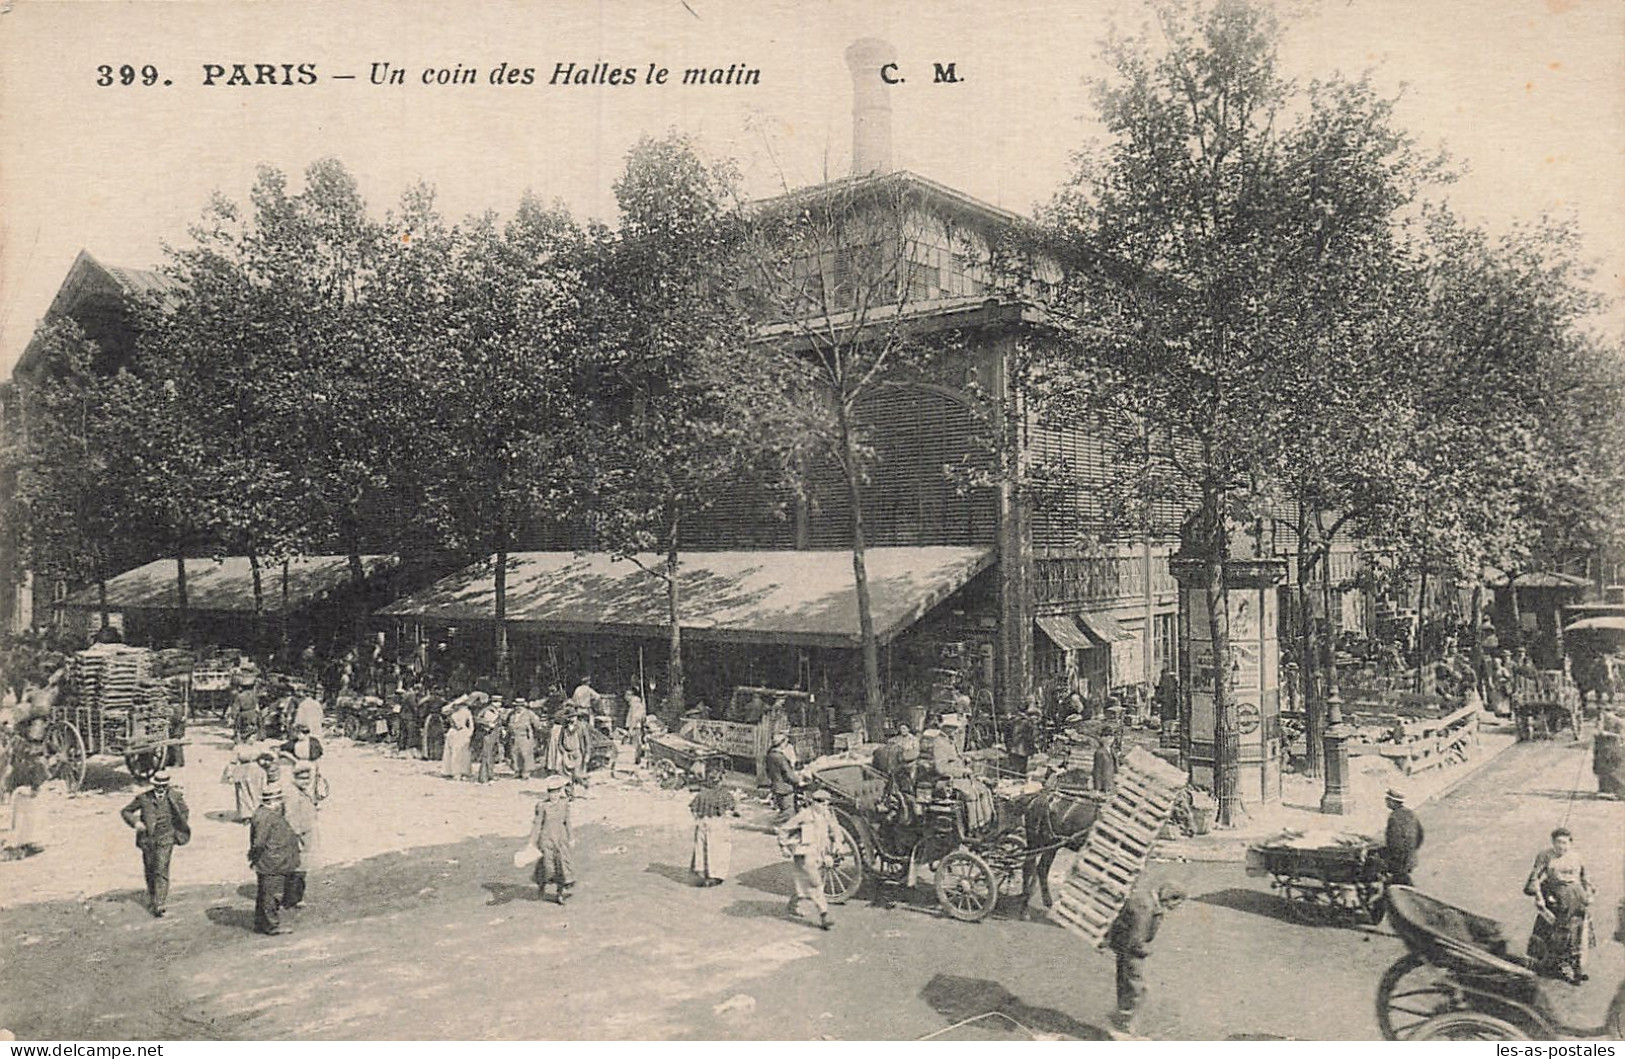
{"points": [[1052, 819]]}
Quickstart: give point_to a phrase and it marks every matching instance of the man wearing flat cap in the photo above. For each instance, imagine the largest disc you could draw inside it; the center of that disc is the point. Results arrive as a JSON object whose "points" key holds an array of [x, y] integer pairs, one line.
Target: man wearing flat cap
{"points": [[1130, 937], [161, 821], [1401, 839]]}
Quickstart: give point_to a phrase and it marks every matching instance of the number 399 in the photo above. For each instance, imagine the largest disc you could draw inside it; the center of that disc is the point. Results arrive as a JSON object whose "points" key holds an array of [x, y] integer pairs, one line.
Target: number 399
{"points": [[126, 75]]}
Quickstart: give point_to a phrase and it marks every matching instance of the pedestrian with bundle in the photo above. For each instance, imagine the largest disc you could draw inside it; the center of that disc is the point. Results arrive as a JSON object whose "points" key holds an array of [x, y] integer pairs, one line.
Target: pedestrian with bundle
{"points": [[550, 837], [810, 839], [162, 822]]}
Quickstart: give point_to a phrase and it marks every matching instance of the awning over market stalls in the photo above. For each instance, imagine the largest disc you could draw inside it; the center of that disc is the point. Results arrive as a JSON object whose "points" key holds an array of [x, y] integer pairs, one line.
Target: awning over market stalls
{"points": [[804, 598], [227, 585], [1064, 633], [1127, 652]]}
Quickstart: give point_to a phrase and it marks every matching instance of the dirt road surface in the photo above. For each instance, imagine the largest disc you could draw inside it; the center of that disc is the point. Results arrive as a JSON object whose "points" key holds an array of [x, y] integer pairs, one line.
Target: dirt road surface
{"points": [[420, 927]]}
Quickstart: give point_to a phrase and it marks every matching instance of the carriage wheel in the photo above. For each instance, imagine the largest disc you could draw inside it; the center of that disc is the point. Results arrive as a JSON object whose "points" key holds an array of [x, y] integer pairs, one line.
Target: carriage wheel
{"points": [[65, 755], [843, 874], [668, 775], [1374, 900], [967, 886], [1307, 900], [1411, 992], [351, 726], [1468, 1026]]}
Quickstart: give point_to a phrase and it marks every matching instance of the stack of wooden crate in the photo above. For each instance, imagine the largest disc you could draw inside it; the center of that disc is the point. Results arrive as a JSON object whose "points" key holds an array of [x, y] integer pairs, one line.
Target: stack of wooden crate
{"points": [[1118, 846]]}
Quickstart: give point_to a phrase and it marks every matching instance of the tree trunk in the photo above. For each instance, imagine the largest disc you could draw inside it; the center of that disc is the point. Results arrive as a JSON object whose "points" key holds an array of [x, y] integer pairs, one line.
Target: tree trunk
{"points": [[101, 596], [1226, 736], [351, 532], [1516, 631], [502, 610], [1309, 672], [182, 605], [1477, 647], [873, 707], [674, 661], [259, 583], [283, 622], [1421, 625]]}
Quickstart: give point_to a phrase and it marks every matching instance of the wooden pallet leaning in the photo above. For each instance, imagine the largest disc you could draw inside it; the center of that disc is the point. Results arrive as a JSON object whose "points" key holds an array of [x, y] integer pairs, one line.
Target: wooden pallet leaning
{"points": [[1118, 845]]}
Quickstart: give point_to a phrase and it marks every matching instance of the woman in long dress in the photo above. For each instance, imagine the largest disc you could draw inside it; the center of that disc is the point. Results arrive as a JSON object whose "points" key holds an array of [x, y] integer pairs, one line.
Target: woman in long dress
{"points": [[459, 732], [713, 835], [1562, 896]]}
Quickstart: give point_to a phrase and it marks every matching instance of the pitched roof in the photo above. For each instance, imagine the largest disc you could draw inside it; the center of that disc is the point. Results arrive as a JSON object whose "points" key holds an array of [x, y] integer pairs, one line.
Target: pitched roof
{"points": [[785, 597], [226, 584]]}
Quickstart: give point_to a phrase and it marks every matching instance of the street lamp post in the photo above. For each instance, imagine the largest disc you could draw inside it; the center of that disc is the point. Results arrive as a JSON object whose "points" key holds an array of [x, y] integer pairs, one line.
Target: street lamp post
{"points": [[1339, 797]]}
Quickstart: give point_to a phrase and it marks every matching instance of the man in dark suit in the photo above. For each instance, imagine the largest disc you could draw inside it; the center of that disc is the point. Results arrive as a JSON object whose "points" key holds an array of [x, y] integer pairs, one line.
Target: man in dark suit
{"points": [[1401, 840], [161, 821], [1130, 937], [273, 851]]}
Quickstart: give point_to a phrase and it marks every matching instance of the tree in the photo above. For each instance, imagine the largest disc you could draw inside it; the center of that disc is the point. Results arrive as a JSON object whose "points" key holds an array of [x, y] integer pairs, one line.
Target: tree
{"points": [[680, 389], [834, 270], [72, 504], [1226, 230], [511, 336]]}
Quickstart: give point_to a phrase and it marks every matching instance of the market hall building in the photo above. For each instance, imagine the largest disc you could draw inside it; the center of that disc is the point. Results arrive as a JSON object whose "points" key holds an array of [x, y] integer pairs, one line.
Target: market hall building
{"points": [[974, 586]]}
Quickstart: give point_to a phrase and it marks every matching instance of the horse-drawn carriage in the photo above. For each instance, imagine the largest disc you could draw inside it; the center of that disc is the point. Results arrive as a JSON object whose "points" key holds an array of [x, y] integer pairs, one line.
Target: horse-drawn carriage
{"points": [[1458, 982], [111, 705], [976, 858]]}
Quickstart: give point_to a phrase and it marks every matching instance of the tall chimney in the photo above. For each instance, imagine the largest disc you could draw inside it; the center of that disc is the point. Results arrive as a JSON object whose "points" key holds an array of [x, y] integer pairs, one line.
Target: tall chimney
{"points": [[871, 107]]}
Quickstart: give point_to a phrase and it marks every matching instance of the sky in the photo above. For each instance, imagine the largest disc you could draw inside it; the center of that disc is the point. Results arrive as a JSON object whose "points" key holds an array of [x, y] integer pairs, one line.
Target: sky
{"points": [[1527, 95]]}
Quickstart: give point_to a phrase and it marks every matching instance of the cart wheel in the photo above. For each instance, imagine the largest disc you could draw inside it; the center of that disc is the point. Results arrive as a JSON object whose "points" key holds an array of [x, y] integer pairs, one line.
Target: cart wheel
{"points": [[668, 775], [843, 874], [1467, 1026], [1411, 992], [967, 886], [65, 755], [351, 726], [144, 764]]}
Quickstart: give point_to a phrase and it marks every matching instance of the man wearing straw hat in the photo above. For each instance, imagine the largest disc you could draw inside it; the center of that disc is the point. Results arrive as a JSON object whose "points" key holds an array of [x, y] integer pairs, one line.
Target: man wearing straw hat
{"points": [[273, 852], [160, 818]]}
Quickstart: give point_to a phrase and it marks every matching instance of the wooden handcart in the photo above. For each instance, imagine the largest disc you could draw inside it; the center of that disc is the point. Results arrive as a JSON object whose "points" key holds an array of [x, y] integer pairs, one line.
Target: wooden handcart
{"points": [[112, 707], [1339, 878], [673, 757]]}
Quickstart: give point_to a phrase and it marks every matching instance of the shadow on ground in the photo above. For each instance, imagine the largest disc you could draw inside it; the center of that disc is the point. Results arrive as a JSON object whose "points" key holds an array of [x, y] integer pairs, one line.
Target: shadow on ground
{"points": [[1256, 902], [959, 999], [677, 873]]}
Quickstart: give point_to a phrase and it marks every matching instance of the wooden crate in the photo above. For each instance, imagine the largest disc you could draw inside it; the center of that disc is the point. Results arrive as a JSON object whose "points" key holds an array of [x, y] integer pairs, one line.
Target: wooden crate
{"points": [[1118, 845]]}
